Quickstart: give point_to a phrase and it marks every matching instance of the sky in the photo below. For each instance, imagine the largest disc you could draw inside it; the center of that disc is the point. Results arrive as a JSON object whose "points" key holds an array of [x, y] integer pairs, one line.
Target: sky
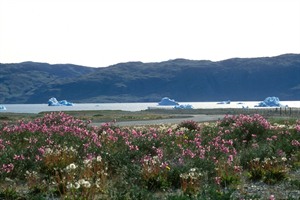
{"points": [[99, 33]]}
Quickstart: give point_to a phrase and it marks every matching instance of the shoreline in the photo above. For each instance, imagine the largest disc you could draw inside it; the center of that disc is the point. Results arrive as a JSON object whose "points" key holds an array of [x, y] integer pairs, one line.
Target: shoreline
{"points": [[197, 118]]}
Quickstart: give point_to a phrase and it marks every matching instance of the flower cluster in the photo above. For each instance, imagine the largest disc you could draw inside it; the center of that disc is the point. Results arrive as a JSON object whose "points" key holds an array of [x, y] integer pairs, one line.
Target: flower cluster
{"points": [[75, 160], [191, 181], [270, 170]]}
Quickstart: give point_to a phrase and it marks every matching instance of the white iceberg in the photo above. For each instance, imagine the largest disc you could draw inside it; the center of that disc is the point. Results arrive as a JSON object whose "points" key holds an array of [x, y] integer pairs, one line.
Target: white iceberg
{"points": [[183, 106], [224, 102], [167, 102], [2, 107], [270, 102], [53, 102]]}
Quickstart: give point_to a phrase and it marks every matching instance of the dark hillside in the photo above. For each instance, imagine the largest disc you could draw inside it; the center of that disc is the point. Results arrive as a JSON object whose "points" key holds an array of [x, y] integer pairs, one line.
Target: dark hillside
{"points": [[20, 81], [184, 80]]}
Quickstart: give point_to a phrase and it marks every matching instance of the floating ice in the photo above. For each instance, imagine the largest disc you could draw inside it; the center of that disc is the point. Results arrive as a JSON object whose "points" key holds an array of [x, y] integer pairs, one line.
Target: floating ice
{"points": [[53, 102], [183, 106], [224, 102], [270, 102], [167, 102], [2, 107]]}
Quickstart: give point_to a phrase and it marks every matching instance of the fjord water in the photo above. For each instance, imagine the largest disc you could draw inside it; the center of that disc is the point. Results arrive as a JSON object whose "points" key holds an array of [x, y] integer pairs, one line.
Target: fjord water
{"points": [[36, 108]]}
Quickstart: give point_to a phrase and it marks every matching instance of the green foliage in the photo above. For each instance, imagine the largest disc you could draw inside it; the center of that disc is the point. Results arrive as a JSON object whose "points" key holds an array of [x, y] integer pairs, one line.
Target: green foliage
{"points": [[270, 170], [9, 193], [189, 124]]}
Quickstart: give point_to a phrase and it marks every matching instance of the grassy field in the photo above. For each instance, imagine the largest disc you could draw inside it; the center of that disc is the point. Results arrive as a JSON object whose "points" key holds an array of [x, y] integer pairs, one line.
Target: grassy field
{"points": [[96, 116], [59, 156]]}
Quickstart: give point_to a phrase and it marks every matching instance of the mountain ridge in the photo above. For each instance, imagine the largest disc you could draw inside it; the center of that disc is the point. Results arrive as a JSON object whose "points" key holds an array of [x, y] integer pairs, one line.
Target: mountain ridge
{"points": [[239, 79]]}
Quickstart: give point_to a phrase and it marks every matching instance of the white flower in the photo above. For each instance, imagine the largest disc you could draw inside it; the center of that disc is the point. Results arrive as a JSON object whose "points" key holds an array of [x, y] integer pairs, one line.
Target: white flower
{"points": [[192, 169], [183, 129], [70, 186], [86, 184], [98, 183], [48, 151], [99, 158], [72, 166], [87, 163], [284, 159], [81, 181], [192, 174], [77, 185]]}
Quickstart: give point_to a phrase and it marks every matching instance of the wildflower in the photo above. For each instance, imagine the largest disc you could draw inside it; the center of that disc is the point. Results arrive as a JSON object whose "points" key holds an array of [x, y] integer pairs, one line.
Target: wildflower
{"points": [[218, 180], [98, 183], [283, 159], [48, 151], [38, 158], [295, 143], [8, 167], [230, 159], [76, 185], [81, 181], [86, 184], [70, 186], [272, 197], [41, 150], [237, 169], [72, 166], [99, 159], [192, 169], [87, 163], [19, 157]]}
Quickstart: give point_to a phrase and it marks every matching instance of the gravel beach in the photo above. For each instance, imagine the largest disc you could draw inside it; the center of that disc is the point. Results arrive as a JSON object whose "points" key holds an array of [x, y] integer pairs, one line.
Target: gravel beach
{"points": [[197, 118]]}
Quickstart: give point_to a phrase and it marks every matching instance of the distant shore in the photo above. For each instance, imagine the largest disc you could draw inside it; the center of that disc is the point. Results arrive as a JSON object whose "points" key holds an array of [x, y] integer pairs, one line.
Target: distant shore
{"points": [[158, 116], [196, 118]]}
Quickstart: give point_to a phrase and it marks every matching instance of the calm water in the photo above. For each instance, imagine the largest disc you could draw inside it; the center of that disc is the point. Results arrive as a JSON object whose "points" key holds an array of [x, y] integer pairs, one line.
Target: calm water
{"points": [[36, 108]]}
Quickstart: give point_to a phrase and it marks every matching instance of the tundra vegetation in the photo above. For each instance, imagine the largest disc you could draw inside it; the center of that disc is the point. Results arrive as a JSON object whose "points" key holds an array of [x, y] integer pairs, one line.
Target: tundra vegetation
{"points": [[58, 156]]}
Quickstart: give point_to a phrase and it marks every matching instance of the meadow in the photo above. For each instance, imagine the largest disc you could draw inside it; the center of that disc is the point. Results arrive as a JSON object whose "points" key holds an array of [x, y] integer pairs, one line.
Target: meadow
{"points": [[60, 156]]}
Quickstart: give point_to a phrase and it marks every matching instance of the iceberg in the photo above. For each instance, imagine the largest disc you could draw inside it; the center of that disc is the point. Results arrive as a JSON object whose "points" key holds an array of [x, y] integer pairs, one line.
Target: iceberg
{"points": [[167, 102], [183, 106], [224, 102], [270, 102], [53, 102], [2, 107]]}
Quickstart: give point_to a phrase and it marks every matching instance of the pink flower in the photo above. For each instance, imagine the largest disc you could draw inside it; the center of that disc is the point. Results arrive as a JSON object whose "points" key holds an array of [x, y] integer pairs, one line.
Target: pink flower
{"points": [[7, 167], [38, 158], [41, 150], [230, 159], [218, 180], [272, 197], [274, 137], [19, 157], [237, 169], [296, 143], [297, 128]]}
